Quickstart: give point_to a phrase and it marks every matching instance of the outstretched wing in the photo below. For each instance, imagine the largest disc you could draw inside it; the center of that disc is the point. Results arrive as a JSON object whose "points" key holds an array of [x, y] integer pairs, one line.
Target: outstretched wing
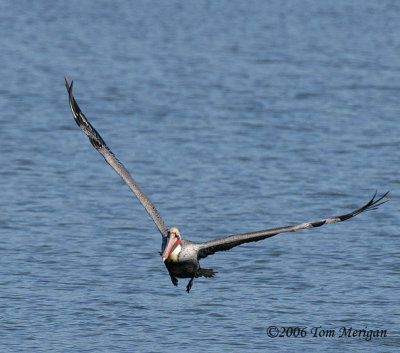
{"points": [[223, 244], [110, 158]]}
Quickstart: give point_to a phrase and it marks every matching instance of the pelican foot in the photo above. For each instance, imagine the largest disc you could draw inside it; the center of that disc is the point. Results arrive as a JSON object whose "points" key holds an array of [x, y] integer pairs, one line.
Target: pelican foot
{"points": [[189, 285], [174, 281]]}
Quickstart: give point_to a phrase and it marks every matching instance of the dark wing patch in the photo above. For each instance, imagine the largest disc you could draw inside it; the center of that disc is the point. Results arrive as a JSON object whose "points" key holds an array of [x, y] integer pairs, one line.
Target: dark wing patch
{"points": [[95, 139]]}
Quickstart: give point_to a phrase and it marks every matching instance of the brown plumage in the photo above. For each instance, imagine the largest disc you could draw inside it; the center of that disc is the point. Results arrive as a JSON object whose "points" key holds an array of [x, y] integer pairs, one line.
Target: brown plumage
{"points": [[181, 256]]}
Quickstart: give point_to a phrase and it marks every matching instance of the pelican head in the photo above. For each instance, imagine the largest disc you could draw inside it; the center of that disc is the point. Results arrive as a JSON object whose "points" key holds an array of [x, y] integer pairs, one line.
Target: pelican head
{"points": [[173, 243]]}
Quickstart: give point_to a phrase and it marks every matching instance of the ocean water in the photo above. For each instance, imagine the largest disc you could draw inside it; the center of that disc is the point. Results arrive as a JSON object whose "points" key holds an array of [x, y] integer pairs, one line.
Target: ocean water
{"points": [[232, 117]]}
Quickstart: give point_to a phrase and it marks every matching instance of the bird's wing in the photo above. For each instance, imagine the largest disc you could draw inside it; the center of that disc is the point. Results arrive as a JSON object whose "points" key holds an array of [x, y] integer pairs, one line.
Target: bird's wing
{"points": [[110, 158], [226, 243]]}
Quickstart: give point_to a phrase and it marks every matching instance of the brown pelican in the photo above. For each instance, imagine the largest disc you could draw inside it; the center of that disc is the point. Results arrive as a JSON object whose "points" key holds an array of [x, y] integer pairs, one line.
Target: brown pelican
{"points": [[181, 256]]}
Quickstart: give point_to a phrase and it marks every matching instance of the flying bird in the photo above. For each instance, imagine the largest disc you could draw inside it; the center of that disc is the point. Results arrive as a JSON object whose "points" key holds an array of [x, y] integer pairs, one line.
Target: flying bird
{"points": [[181, 256]]}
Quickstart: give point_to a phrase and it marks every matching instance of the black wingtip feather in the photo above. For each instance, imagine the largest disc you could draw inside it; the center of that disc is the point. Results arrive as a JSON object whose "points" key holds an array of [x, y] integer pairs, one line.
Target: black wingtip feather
{"points": [[67, 85], [374, 204]]}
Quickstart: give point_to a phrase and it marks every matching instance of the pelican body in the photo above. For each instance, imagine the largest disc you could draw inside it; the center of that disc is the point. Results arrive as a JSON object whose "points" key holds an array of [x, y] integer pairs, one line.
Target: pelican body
{"points": [[181, 256]]}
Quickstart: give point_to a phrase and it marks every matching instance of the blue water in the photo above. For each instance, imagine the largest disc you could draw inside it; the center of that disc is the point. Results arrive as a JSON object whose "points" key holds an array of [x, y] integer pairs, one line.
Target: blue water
{"points": [[232, 117]]}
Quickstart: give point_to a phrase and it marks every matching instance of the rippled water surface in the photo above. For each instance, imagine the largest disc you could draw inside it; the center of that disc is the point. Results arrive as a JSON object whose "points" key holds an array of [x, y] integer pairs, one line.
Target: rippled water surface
{"points": [[232, 117]]}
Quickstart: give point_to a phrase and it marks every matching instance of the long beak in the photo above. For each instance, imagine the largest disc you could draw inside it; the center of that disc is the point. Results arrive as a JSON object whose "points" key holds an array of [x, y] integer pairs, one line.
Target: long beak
{"points": [[171, 242]]}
